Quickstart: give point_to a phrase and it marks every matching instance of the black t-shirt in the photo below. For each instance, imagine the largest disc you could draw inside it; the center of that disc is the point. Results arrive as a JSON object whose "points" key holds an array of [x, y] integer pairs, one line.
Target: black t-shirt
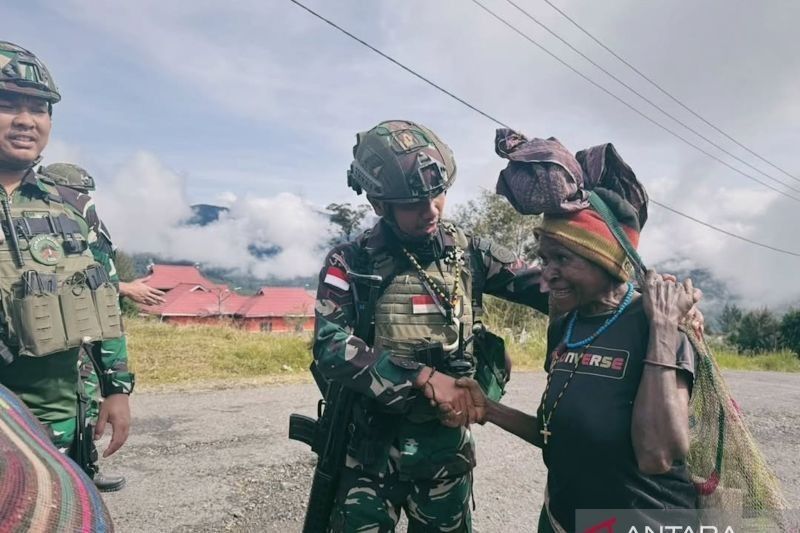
{"points": [[589, 455]]}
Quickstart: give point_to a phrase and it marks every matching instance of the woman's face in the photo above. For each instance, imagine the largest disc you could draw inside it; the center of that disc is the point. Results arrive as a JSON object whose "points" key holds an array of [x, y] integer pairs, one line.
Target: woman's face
{"points": [[574, 282]]}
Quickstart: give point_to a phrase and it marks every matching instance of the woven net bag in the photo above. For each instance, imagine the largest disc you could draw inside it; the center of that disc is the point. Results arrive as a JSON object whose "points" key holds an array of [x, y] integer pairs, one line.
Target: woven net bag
{"points": [[727, 468]]}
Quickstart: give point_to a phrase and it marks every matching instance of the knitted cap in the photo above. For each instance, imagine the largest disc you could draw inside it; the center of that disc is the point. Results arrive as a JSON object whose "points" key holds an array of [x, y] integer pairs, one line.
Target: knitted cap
{"points": [[587, 234]]}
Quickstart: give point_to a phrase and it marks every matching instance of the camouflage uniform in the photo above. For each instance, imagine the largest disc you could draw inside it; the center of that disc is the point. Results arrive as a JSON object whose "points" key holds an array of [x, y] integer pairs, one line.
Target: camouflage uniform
{"points": [[400, 456], [78, 179], [52, 397], [57, 229]]}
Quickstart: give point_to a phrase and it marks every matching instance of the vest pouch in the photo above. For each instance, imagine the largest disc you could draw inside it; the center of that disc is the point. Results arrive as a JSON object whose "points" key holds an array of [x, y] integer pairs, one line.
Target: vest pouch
{"points": [[491, 372], [79, 312], [38, 324], [106, 300]]}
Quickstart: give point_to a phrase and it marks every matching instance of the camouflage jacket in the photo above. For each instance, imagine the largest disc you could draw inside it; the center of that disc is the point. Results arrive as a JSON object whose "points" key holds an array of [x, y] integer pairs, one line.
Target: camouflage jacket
{"points": [[48, 384], [114, 352], [374, 373]]}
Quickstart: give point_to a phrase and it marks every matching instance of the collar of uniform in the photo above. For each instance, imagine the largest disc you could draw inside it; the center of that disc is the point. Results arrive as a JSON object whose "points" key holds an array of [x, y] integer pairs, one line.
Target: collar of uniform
{"points": [[378, 237], [30, 182]]}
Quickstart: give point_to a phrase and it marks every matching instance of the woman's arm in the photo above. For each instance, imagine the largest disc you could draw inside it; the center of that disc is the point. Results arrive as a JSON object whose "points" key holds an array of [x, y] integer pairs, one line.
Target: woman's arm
{"points": [[660, 424], [516, 422], [507, 418]]}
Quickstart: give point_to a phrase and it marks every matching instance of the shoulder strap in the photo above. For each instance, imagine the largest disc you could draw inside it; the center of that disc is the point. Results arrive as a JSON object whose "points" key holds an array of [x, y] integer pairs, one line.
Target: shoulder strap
{"points": [[613, 224], [478, 277]]}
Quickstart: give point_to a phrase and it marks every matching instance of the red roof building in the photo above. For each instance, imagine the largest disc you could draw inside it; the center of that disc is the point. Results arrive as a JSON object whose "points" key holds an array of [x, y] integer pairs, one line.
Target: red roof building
{"points": [[278, 309], [167, 277], [191, 299]]}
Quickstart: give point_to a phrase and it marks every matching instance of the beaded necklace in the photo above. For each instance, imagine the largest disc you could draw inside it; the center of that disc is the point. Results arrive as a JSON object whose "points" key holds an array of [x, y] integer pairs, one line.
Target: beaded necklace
{"points": [[448, 301], [567, 344], [626, 301]]}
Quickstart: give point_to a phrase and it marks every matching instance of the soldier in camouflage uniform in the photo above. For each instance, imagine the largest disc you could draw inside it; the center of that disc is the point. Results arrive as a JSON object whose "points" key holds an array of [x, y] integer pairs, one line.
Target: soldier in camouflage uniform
{"points": [[56, 281], [77, 178], [426, 325]]}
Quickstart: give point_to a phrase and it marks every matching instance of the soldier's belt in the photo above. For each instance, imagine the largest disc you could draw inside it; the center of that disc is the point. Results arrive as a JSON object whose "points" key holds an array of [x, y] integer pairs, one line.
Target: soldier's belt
{"points": [[30, 226]]}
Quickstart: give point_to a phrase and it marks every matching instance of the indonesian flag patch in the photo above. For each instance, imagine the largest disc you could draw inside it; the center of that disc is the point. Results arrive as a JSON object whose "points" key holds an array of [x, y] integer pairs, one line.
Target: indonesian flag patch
{"points": [[424, 305], [336, 277]]}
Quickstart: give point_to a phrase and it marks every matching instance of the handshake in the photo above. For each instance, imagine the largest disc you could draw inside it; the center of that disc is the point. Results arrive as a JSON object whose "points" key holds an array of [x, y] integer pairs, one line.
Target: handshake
{"points": [[460, 401]]}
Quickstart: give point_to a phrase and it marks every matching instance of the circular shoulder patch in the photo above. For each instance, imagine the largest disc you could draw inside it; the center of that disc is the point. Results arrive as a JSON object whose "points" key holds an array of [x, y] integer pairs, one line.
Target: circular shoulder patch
{"points": [[46, 250]]}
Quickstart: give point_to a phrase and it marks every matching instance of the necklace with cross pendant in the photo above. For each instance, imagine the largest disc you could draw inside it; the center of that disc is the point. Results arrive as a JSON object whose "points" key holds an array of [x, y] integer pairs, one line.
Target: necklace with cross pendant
{"points": [[545, 433]]}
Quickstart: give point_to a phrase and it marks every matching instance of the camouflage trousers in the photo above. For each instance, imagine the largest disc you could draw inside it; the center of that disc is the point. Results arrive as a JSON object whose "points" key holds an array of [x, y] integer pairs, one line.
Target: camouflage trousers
{"points": [[91, 386], [62, 433], [368, 504]]}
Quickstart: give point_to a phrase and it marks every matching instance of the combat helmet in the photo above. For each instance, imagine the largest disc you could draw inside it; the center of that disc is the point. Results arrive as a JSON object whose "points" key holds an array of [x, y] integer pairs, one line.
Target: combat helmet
{"points": [[401, 161], [69, 175], [21, 72]]}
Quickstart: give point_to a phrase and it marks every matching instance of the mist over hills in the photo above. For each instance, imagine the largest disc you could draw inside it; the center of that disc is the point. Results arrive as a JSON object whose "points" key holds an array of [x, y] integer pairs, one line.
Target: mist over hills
{"points": [[716, 292]]}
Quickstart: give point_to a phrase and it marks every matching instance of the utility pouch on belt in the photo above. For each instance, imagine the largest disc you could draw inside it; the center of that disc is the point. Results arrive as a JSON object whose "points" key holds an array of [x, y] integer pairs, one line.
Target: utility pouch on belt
{"points": [[37, 321], [80, 317], [106, 301], [491, 372]]}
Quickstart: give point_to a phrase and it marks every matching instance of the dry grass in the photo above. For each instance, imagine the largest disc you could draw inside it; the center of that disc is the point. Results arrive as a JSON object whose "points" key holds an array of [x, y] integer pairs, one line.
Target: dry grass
{"points": [[217, 356]]}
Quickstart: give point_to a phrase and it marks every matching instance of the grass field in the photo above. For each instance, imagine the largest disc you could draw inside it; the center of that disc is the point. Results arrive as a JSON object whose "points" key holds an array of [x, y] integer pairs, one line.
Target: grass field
{"points": [[171, 356]]}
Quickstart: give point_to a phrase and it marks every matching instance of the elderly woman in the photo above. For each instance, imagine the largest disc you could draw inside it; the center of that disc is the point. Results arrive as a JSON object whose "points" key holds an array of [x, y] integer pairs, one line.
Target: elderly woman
{"points": [[613, 418]]}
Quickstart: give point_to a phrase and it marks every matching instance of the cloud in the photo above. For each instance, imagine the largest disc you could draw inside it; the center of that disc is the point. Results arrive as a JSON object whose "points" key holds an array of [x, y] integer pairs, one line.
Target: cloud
{"points": [[145, 204], [261, 98]]}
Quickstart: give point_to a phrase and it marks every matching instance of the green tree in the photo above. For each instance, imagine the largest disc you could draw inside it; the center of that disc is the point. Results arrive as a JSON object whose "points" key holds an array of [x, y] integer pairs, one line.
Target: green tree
{"points": [[729, 318], [790, 330], [126, 269], [347, 220], [493, 217], [757, 332]]}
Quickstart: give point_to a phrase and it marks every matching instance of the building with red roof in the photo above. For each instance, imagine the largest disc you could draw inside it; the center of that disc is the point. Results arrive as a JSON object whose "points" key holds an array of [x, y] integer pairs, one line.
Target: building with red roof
{"points": [[278, 309], [167, 277], [193, 299]]}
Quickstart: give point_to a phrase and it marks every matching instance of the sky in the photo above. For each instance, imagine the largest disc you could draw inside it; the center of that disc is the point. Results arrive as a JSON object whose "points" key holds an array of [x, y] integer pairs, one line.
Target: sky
{"points": [[256, 105]]}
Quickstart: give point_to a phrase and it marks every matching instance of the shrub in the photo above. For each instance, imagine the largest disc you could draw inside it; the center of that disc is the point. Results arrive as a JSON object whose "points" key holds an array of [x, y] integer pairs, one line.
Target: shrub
{"points": [[790, 331], [757, 332]]}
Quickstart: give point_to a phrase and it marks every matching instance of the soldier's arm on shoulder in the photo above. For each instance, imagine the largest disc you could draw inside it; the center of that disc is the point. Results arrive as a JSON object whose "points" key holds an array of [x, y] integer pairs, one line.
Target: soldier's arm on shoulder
{"points": [[509, 277], [339, 354]]}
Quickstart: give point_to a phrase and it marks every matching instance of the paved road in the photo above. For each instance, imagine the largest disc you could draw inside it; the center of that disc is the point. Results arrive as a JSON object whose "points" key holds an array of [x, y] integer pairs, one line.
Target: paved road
{"points": [[220, 460]]}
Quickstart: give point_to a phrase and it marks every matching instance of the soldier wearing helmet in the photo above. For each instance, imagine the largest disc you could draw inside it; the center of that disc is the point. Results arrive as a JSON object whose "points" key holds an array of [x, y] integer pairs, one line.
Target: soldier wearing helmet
{"points": [[50, 233], [424, 330], [78, 178]]}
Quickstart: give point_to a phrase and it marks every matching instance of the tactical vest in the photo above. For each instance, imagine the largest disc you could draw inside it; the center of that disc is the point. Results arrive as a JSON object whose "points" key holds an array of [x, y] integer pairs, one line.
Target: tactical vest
{"points": [[54, 295], [408, 319]]}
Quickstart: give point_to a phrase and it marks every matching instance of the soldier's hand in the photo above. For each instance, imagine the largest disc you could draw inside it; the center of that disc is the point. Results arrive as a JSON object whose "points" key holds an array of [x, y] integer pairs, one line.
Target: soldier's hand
{"points": [[116, 411], [448, 416], [141, 293], [442, 389]]}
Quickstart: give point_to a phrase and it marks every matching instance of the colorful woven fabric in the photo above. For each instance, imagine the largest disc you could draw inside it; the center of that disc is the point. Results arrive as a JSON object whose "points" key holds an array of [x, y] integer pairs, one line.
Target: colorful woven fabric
{"points": [[587, 234], [42, 490]]}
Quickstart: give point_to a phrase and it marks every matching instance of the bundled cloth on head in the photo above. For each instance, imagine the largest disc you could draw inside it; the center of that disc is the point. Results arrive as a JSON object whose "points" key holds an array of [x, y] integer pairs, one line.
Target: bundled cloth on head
{"points": [[543, 176], [594, 205]]}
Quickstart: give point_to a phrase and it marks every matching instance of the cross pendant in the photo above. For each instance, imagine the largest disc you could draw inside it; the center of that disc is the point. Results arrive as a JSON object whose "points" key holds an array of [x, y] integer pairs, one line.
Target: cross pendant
{"points": [[545, 433]]}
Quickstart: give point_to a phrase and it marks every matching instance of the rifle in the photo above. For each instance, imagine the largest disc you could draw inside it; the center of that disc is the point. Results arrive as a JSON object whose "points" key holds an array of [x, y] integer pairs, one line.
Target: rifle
{"points": [[329, 434]]}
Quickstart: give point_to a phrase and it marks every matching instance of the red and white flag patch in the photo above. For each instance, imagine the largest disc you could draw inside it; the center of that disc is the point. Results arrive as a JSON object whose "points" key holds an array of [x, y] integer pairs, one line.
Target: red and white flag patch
{"points": [[423, 305], [336, 277]]}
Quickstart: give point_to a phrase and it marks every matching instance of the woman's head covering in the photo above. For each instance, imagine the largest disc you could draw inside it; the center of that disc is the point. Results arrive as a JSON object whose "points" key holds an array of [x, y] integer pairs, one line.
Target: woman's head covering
{"points": [[587, 234], [585, 197], [542, 176]]}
